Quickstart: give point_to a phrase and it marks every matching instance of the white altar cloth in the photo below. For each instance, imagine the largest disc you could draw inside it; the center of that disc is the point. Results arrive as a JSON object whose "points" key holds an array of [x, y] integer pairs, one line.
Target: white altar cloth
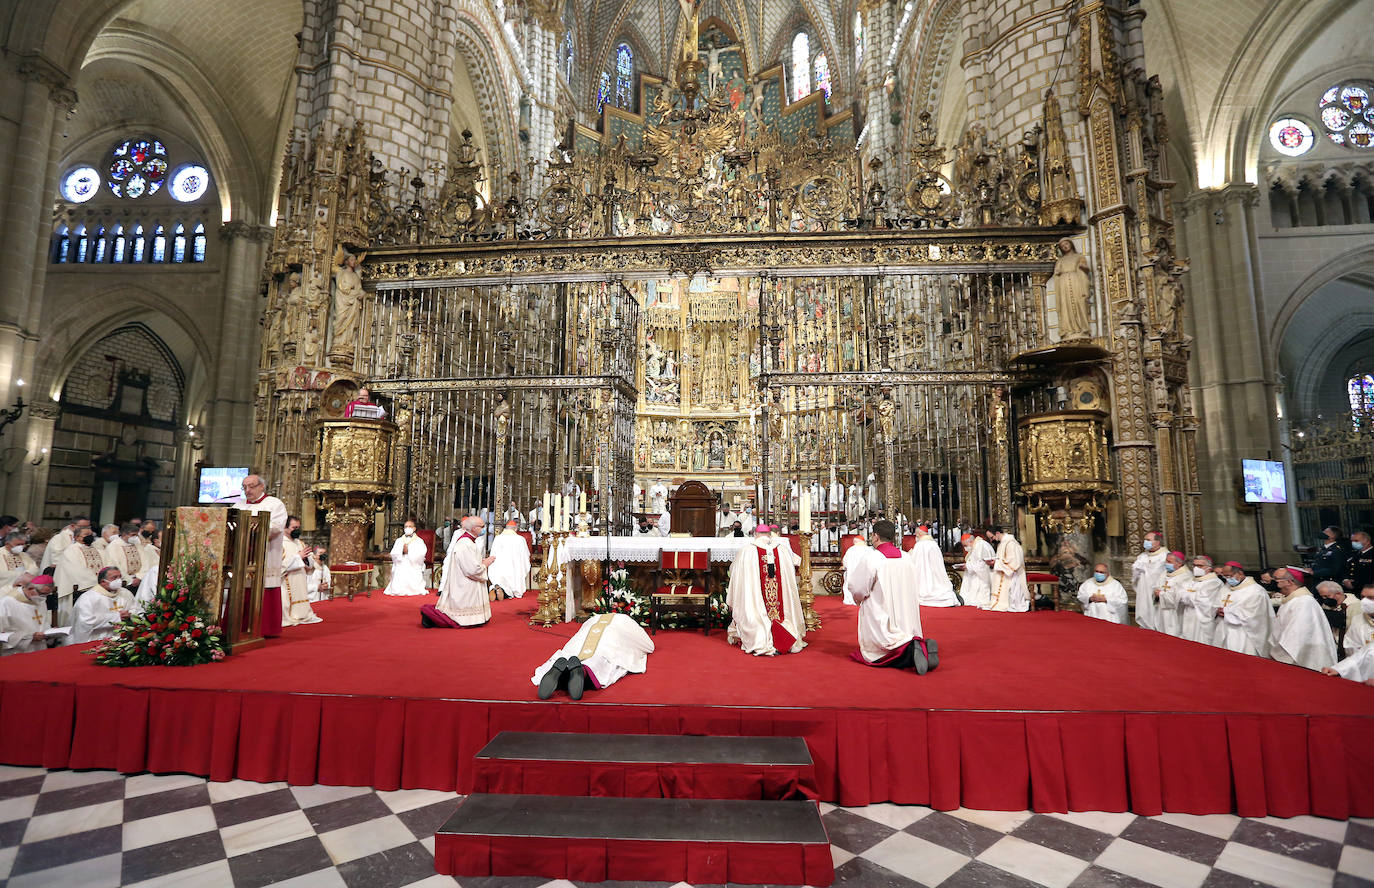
{"points": [[646, 548]]}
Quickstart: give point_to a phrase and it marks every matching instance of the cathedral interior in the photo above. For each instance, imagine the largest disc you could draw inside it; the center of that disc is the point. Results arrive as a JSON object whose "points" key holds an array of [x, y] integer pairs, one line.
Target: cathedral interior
{"points": [[1056, 266]]}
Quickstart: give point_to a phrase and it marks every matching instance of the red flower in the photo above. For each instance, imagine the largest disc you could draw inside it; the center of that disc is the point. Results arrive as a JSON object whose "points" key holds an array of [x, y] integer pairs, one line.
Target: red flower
{"points": [[168, 587], [168, 638], [181, 599], [195, 633]]}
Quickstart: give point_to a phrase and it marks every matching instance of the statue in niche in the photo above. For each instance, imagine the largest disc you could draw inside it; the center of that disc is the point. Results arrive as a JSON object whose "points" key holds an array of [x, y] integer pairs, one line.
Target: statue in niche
{"points": [[348, 301], [653, 358], [313, 299], [716, 455], [1072, 292], [1170, 295], [713, 372], [293, 306], [698, 455]]}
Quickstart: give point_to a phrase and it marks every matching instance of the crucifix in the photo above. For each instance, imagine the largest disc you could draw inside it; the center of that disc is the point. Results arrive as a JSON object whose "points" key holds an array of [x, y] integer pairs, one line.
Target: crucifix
{"points": [[690, 10]]}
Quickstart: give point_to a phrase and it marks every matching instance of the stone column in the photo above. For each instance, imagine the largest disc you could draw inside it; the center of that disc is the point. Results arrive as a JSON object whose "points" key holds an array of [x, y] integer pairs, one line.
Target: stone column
{"points": [[229, 409]]}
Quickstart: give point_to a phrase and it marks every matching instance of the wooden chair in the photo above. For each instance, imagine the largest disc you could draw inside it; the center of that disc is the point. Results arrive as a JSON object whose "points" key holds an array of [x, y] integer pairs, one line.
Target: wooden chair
{"points": [[682, 585]]}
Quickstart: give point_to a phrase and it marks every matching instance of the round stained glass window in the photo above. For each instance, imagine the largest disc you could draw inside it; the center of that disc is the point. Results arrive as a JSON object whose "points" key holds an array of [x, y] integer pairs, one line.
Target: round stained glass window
{"points": [[1347, 114], [138, 167], [1291, 136], [81, 184], [190, 182]]}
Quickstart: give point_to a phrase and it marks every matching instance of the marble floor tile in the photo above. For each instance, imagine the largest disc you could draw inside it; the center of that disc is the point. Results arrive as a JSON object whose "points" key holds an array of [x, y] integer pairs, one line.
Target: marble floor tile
{"points": [[19, 772], [19, 808], [1041, 865], [1152, 865], [175, 825], [408, 799], [1059, 835], [862, 873], [1321, 827], [7, 856], [22, 786], [392, 868], [1002, 821], [854, 833], [166, 858], [958, 835], [65, 823], [210, 875], [255, 835], [1272, 869], [916, 859], [1109, 822], [895, 816], [155, 804], [1174, 840], [97, 872], [275, 864], [309, 796], [79, 796], [144, 784], [364, 839], [254, 807], [236, 789], [1219, 825], [1299, 846], [1357, 862], [57, 780]]}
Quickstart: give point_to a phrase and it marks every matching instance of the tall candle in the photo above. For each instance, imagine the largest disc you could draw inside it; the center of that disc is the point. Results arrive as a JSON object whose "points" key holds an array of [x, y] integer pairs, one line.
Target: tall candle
{"points": [[551, 519], [804, 518], [567, 512], [544, 513], [582, 502]]}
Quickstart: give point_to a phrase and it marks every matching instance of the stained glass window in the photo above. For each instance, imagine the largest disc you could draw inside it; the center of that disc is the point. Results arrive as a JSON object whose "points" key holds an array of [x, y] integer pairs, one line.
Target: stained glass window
{"points": [[801, 65], [624, 76], [179, 243], [822, 69], [1291, 137], [138, 167], [198, 243], [159, 245], [81, 184], [858, 38], [82, 243], [98, 253], [1361, 391], [603, 92], [136, 253], [121, 245], [62, 244], [1347, 114], [190, 182]]}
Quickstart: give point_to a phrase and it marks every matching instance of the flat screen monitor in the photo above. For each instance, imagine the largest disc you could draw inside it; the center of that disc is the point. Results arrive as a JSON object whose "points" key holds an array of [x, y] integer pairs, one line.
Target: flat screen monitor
{"points": [[221, 484], [1264, 481]]}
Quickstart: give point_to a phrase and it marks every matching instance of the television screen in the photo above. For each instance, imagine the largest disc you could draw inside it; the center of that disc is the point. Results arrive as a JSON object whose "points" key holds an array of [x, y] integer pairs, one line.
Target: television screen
{"points": [[1264, 481], [221, 484]]}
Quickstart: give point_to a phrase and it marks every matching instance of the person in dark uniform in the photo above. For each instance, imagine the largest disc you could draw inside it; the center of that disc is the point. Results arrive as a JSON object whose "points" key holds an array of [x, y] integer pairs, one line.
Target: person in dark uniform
{"points": [[1328, 563], [1359, 567]]}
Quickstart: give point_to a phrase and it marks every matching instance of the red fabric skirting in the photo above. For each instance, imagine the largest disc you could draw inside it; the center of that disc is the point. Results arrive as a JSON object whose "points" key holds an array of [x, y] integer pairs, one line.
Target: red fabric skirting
{"points": [[1280, 765], [643, 780], [597, 860]]}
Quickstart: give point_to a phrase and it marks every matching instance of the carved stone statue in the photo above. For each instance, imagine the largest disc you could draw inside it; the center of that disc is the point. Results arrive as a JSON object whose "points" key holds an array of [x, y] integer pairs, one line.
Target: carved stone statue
{"points": [[348, 303], [1071, 292], [713, 371]]}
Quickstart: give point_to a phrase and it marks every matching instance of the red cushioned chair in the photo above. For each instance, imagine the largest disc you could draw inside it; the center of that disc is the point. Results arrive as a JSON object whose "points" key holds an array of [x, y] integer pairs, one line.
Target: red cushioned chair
{"points": [[1046, 584], [682, 585], [427, 536], [794, 541]]}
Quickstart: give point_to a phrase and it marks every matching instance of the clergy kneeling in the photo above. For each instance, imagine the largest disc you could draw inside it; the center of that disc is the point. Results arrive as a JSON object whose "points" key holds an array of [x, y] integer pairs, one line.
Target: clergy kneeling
{"points": [[933, 586], [463, 595], [886, 587], [606, 649], [765, 607], [1102, 595], [976, 586], [408, 564], [510, 572]]}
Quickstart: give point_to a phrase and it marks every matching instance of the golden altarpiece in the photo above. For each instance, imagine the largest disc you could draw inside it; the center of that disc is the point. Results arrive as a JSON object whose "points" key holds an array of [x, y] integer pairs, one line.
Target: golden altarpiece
{"points": [[722, 288]]}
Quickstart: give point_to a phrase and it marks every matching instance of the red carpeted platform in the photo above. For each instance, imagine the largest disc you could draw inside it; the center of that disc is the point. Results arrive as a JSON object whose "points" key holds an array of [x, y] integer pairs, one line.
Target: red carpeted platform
{"points": [[1050, 711]]}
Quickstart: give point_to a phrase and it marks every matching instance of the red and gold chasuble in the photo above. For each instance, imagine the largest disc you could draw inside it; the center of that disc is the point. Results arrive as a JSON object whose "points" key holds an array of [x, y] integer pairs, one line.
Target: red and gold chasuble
{"points": [[771, 587]]}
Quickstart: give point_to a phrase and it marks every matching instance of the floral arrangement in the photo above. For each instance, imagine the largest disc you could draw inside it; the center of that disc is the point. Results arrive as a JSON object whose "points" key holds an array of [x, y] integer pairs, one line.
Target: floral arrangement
{"points": [[174, 629], [619, 596]]}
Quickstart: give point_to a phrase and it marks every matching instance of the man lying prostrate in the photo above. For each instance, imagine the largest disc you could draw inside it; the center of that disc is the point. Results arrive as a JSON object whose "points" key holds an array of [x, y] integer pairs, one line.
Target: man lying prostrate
{"points": [[604, 650]]}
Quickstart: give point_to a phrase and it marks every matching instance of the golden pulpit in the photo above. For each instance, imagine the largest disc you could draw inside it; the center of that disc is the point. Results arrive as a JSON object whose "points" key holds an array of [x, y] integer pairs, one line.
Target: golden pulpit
{"points": [[353, 482]]}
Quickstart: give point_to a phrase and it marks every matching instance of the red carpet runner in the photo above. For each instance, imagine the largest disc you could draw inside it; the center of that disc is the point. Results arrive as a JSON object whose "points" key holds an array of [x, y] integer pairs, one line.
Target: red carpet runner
{"points": [[1046, 711]]}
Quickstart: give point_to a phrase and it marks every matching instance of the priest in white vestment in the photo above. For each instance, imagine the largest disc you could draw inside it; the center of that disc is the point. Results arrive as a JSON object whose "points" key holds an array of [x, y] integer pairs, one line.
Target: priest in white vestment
{"points": [[1246, 618], [605, 649], [510, 571], [1358, 667], [886, 586], [1009, 589], [857, 551], [76, 572], [1303, 634], [123, 552], [1102, 595], [26, 619], [408, 564], [255, 499], [765, 607], [101, 607], [15, 564], [1359, 621], [61, 540], [319, 583], [463, 595], [146, 532], [1147, 575], [1201, 598], [975, 587], [933, 586], [1168, 598], [107, 533], [295, 589]]}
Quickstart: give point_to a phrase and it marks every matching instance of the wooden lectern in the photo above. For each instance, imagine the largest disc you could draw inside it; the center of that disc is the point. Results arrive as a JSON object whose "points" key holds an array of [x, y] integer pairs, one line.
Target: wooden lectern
{"points": [[234, 542], [692, 510]]}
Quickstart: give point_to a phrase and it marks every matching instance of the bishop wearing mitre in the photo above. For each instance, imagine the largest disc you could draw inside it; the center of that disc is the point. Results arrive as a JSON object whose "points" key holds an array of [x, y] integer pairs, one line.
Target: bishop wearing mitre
{"points": [[408, 564], [765, 607], [886, 585], [463, 594], [933, 586], [510, 571]]}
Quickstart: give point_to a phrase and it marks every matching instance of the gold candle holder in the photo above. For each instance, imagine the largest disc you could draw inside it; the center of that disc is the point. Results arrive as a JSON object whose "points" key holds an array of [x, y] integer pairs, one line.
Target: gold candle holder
{"points": [[808, 597], [551, 593]]}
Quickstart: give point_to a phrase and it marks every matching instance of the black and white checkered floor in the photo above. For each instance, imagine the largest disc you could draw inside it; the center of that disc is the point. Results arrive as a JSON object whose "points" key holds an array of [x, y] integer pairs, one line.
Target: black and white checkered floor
{"points": [[99, 828]]}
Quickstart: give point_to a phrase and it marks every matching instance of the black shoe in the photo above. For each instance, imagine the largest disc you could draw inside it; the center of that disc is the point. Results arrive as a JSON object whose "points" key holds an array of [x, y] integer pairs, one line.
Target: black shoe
{"points": [[918, 657], [932, 653], [577, 678], [425, 621], [552, 679]]}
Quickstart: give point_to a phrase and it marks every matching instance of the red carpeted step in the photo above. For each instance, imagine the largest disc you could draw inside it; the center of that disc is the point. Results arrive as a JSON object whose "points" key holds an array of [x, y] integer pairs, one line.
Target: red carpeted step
{"points": [[699, 841], [645, 766]]}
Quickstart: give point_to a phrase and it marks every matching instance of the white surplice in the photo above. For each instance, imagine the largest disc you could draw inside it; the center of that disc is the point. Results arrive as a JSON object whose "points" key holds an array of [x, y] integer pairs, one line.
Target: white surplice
{"points": [[511, 569], [56, 546], [1201, 598], [933, 586], [77, 570], [1009, 589], [857, 551], [609, 645], [1359, 666], [295, 590], [318, 582], [1147, 575], [1247, 619], [21, 619], [276, 532], [96, 612], [463, 594], [752, 614], [1113, 610], [1359, 626], [886, 584], [12, 567], [976, 585], [1303, 636], [126, 557], [408, 567], [1169, 608]]}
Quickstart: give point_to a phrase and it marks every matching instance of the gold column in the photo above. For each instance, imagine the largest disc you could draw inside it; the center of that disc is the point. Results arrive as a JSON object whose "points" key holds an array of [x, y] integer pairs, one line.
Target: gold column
{"points": [[807, 594]]}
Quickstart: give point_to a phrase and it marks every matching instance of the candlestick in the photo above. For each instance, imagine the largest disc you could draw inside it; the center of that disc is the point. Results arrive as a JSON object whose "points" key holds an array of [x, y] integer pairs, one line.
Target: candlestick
{"points": [[582, 502], [804, 512], [544, 513]]}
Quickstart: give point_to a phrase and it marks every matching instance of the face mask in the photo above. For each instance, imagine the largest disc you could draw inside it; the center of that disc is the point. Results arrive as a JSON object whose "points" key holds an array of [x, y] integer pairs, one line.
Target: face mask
{"points": [[88, 539], [296, 534], [116, 585], [147, 534], [1149, 545], [18, 550], [1367, 605], [1199, 571], [1356, 545], [410, 531], [1233, 581], [1100, 577]]}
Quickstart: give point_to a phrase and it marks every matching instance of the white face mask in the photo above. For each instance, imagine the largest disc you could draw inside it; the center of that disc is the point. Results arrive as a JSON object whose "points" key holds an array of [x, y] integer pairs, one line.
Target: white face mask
{"points": [[18, 550], [410, 531], [116, 585], [1199, 571], [1149, 545], [1367, 605]]}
